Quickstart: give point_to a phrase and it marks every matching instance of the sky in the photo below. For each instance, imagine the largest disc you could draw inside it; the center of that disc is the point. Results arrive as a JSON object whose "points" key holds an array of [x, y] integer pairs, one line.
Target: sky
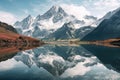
{"points": [[16, 10]]}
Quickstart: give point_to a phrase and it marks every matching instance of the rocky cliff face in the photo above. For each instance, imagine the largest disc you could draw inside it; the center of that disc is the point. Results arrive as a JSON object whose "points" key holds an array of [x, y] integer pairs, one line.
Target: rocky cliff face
{"points": [[108, 28], [7, 27]]}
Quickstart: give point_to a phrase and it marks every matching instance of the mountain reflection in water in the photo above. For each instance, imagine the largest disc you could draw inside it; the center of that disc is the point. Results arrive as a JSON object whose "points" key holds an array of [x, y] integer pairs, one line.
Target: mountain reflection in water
{"points": [[57, 62], [8, 50], [109, 56]]}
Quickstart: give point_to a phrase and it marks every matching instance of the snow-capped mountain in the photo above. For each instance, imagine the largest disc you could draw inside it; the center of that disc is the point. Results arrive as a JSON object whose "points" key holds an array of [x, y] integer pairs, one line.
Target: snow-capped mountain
{"points": [[108, 28], [50, 22], [53, 18], [25, 23], [56, 13]]}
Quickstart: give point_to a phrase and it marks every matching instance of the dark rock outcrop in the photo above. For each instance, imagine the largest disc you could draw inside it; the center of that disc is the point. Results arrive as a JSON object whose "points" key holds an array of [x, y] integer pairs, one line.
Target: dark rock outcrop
{"points": [[7, 27]]}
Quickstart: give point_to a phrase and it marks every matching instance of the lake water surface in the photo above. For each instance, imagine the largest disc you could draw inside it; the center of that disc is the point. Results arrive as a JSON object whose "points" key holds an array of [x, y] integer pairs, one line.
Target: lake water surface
{"points": [[54, 62]]}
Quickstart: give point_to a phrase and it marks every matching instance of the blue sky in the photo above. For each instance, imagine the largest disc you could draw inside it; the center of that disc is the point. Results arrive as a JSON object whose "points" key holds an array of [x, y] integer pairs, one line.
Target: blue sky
{"points": [[12, 10]]}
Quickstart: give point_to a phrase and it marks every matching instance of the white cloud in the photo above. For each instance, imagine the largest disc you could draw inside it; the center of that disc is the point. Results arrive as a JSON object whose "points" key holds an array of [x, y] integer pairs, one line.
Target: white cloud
{"points": [[7, 17], [100, 7], [78, 11], [107, 3]]}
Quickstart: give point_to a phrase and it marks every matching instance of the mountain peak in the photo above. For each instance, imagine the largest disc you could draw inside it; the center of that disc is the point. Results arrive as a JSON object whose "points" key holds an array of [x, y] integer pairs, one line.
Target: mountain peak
{"points": [[28, 18], [56, 8], [38, 18], [29, 15], [55, 11]]}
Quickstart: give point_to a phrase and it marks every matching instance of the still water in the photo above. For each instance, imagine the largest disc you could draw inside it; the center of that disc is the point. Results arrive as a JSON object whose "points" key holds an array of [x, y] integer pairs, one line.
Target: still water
{"points": [[54, 62]]}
